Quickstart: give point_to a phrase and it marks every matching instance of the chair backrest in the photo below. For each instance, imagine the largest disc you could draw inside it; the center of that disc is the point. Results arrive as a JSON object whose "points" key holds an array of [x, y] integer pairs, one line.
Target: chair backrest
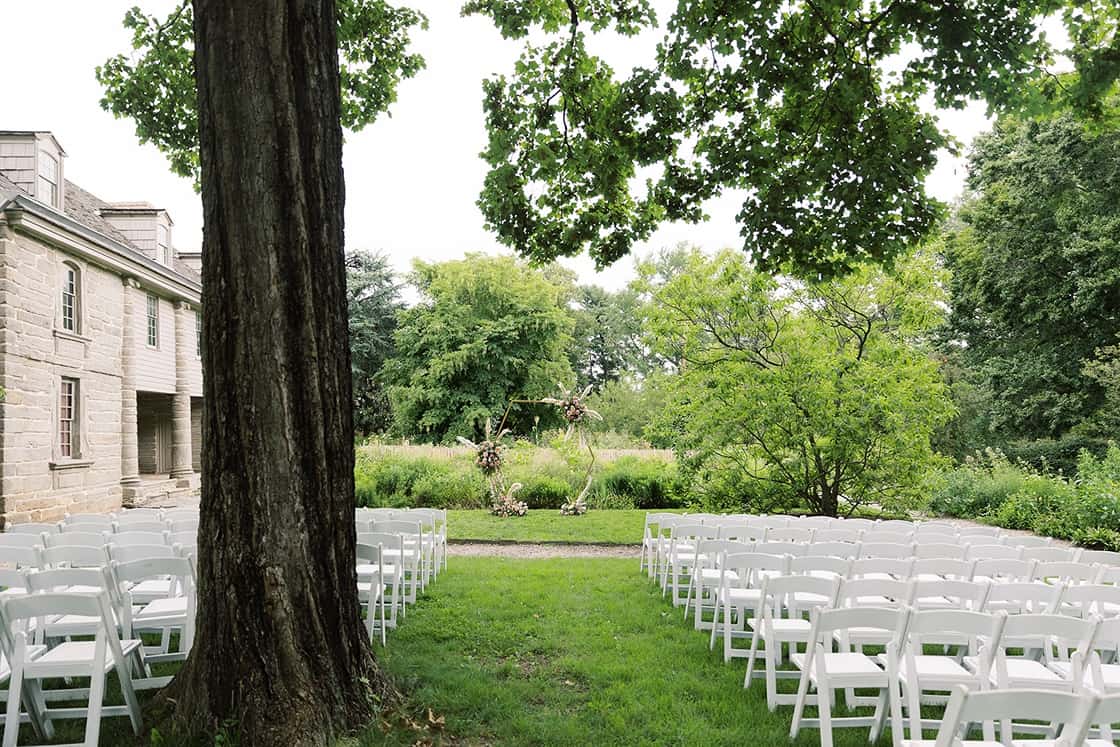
{"points": [[896, 525], [1069, 572], [1106, 712], [397, 526], [137, 538], [993, 552], [11, 578], [387, 540], [74, 556], [770, 522], [182, 538], [862, 524], [1025, 596], [370, 554], [20, 557], [829, 621], [820, 566], [181, 570], [1007, 569], [87, 522], [89, 539], [879, 536], [948, 627], [939, 538], [962, 595], [749, 565], [1048, 632], [929, 549], [20, 540], [897, 567], [780, 593], [181, 514], [1050, 554], [836, 549], [692, 530], [653, 522], [1027, 540], [981, 531], [133, 553], [1103, 557], [961, 570], [59, 579], [814, 522], [885, 550], [781, 548], [32, 527], [709, 550], [790, 534], [140, 524], [838, 534], [742, 531], [986, 706], [1086, 600], [874, 592]]}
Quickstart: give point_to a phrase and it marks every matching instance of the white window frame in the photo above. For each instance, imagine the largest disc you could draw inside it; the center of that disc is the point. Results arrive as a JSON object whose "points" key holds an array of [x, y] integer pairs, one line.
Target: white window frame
{"points": [[153, 320], [198, 334], [69, 418], [49, 179], [163, 244], [71, 298]]}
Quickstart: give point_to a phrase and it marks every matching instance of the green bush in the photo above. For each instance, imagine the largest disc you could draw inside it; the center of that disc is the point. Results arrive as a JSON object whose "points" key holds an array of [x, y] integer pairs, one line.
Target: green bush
{"points": [[443, 488], [1085, 510], [648, 483], [544, 492]]}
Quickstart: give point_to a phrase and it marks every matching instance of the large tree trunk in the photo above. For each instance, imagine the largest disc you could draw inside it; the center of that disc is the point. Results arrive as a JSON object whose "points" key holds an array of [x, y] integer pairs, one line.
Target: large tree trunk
{"points": [[280, 650]]}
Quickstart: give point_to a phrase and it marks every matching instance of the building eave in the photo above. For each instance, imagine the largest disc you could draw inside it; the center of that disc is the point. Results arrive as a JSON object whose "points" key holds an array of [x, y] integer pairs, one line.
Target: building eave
{"points": [[29, 217]]}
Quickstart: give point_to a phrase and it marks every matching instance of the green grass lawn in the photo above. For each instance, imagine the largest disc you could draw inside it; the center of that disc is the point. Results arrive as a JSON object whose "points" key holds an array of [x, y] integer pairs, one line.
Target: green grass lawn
{"points": [[571, 652], [547, 525]]}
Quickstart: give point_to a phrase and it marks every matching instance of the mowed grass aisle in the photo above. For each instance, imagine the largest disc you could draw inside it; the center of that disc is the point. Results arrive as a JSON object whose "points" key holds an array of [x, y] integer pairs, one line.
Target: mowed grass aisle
{"points": [[571, 652]]}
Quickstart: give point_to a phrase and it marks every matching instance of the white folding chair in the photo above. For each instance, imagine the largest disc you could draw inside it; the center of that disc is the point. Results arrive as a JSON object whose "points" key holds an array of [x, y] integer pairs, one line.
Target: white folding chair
{"points": [[1106, 713], [93, 659], [1101, 557], [703, 584], [20, 557], [371, 588], [1017, 597], [885, 568], [1066, 572], [413, 560], [783, 622], [88, 539], [137, 538], [931, 549], [390, 550], [682, 557], [949, 594], [1027, 541], [1002, 570], [923, 676], [651, 531], [989, 706], [740, 589], [992, 552], [139, 524], [827, 671], [1086, 600], [73, 556], [20, 540], [87, 523], [145, 610]]}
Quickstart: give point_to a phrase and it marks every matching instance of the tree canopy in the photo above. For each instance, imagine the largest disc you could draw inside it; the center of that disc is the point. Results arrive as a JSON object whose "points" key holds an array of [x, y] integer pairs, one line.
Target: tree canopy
{"points": [[819, 395], [486, 329], [811, 108], [1036, 272]]}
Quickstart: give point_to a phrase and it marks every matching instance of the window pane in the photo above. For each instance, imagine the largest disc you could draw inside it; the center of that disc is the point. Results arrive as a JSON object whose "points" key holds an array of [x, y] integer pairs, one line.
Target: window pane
{"points": [[69, 300], [67, 418], [153, 321]]}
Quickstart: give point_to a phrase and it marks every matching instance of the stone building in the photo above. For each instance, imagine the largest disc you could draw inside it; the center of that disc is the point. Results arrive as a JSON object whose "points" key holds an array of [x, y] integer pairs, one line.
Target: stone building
{"points": [[100, 345]]}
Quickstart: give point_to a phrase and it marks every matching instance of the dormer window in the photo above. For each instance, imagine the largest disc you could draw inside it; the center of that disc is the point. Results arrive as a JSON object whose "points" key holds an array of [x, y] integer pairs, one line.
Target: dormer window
{"points": [[163, 245], [47, 184]]}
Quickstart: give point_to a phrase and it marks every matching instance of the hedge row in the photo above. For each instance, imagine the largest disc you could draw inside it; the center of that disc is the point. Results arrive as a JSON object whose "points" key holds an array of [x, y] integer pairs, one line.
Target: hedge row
{"points": [[548, 479], [1084, 509]]}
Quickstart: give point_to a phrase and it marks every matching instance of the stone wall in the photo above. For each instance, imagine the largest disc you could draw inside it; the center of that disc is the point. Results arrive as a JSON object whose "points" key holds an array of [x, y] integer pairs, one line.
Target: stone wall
{"points": [[37, 483]]}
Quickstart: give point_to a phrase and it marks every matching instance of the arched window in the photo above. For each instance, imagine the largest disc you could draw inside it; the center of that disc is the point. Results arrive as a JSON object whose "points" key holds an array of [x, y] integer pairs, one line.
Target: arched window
{"points": [[71, 298]]}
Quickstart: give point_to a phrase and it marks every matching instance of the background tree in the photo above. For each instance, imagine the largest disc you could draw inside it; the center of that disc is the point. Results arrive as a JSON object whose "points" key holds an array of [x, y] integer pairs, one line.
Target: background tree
{"points": [[486, 329], [821, 396], [373, 302], [154, 84], [1035, 260], [280, 649], [801, 105], [606, 342]]}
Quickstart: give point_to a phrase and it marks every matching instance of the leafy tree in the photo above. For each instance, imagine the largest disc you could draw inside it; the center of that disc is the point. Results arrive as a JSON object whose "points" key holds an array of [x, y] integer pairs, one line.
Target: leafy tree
{"points": [[486, 329], [1036, 272], [373, 302], [280, 650], [1104, 371], [154, 85], [606, 343], [629, 406], [818, 395], [811, 108]]}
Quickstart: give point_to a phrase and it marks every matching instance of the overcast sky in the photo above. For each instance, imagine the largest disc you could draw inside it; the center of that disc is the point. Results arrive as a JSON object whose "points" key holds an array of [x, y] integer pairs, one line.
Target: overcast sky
{"points": [[411, 179]]}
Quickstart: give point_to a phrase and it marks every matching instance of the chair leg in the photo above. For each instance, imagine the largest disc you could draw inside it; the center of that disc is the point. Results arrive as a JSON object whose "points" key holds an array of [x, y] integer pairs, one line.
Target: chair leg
{"points": [[802, 696], [96, 694], [824, 708], [15, 686]]}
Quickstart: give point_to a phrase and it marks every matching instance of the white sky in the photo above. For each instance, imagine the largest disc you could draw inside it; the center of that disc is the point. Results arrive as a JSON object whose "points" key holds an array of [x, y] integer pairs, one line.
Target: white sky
{"points": [[411, 179]]}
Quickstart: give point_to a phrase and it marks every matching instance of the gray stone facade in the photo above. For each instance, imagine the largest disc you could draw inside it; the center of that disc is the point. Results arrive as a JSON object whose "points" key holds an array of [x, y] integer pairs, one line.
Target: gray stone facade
{"points": [[99, 353]]}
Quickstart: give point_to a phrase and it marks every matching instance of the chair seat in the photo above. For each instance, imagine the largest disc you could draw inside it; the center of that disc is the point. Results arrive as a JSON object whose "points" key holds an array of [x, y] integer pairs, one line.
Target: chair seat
{"points": [[740, 597], [33, 652], [1024, 673], [809, 599], [74, 654], [939, 669], [714, 575], [161, 608], [841, 664], [1110, 673], [785, 628]]}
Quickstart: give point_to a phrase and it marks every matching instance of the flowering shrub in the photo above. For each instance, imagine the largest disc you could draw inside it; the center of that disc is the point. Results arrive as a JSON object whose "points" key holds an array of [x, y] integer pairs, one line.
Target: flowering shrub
{"points": [[506, 506], [489, 457], [574, 508]]}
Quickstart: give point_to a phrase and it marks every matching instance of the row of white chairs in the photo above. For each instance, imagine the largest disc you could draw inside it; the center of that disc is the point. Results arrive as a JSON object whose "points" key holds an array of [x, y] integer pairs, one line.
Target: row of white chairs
{"points": [[400, 552], [127, 520], [48, 618]]}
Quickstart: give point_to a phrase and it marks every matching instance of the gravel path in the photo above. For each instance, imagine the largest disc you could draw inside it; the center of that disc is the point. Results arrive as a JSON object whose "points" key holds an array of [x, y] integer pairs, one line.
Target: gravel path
{"points": [[542, 550]]}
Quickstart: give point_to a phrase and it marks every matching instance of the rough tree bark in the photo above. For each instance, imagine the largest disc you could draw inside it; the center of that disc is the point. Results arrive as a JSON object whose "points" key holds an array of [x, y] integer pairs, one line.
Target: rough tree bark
{"points": [[280, 650]]}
